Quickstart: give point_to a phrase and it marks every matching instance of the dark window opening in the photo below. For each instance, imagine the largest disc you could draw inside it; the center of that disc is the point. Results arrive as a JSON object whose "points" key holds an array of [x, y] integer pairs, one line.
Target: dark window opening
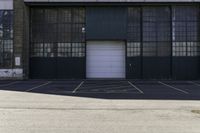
{"points": [[156, 31], [164, 29], [185, 34], [58, 32], [134, 32], [149, 28]]}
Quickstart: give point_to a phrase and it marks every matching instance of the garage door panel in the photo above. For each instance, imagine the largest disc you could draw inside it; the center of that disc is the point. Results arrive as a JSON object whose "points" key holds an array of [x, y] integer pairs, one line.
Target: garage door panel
{"points": [[106, 53], [103, 75], [115, 60], [105, 66], [105, 59], [105, 47], [103, 69]]}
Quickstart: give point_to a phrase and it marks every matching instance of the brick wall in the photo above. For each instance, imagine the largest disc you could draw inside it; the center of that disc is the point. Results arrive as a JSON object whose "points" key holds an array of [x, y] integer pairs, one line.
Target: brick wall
{"points": [[21, 36]]}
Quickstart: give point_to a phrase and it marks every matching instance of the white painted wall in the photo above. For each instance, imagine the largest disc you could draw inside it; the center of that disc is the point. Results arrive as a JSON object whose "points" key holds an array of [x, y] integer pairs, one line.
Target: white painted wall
{"points": [[6, 4], [11, 73]]}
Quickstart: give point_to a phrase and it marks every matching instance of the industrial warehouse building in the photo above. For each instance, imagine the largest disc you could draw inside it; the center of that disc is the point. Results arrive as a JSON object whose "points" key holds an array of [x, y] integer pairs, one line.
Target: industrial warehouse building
{"points": [[78, 39]]}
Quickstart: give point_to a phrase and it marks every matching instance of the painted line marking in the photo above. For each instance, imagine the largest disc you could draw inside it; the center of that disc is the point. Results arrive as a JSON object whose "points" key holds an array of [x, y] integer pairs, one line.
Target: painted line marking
{"points": [[194, 83], [36, 87], [9, 84], [109, 87], [74, 91], [89, 92], [185, 92], [136, 87]]}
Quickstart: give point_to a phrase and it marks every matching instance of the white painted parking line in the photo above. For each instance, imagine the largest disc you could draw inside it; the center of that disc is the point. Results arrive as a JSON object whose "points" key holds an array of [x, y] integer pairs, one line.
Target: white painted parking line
{"points": [[4, 85], [36, 87], [74, 91], [136, 87], [194, 83], [172, 87], [98, 85]]}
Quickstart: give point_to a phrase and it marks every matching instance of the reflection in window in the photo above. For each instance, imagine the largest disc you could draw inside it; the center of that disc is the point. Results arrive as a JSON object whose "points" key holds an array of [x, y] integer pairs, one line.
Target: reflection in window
{"points": [[6, 38], [78, 49], [49, 50], [64, 49], [133, 49]]}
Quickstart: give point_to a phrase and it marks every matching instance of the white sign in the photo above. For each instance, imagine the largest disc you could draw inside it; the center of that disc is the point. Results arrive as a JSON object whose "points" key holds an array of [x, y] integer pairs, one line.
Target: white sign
{"points": [[17, 61]]}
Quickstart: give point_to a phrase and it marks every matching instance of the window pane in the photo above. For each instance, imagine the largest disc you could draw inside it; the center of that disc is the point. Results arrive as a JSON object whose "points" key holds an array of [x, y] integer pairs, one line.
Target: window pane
{"points": [[185, 22], [134, 24], [6, 38], [156, 31], [133, 49], [58, 31]]}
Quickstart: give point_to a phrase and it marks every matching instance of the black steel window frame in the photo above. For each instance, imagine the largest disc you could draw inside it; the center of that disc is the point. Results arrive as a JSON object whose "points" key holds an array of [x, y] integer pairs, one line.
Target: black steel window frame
{"points": [[186, 30], [6, 38], [134, 31], [156, 31], [177, 44], [141, 41], [58, 32]]}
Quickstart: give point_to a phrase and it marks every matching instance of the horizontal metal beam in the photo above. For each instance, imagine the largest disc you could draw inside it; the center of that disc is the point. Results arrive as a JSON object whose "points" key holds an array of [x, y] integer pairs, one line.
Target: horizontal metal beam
{"points": [[109, 1]]}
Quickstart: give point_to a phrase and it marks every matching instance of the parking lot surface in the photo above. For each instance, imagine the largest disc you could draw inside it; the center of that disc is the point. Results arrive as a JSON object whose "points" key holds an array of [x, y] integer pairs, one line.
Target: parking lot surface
{"points": [[99, 106], [110, 89]]}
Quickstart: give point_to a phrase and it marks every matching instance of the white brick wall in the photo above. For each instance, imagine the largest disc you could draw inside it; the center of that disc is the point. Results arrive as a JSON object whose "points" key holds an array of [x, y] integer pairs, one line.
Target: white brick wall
{"points": [[6, 4]]}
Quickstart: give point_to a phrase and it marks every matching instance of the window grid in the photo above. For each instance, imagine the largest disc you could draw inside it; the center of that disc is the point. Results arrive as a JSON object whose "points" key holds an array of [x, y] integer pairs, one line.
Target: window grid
{"points": [[59, 32], [6, 38], [133, 49], [186, 48], [156, 31], [134, 32], [157, 34], [185, 22]]}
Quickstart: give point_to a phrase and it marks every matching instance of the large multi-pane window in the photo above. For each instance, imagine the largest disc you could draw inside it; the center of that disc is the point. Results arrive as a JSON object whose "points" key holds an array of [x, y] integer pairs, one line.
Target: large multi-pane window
{"points": [[164, 29], [6, 38], [58, 32], [134, 32], [156, 31], [149, 31], [185, 34]]}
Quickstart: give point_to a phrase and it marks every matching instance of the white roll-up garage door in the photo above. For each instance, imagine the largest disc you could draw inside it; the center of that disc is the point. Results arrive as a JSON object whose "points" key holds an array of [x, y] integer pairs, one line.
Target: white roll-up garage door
{"points": [[105, 59]]}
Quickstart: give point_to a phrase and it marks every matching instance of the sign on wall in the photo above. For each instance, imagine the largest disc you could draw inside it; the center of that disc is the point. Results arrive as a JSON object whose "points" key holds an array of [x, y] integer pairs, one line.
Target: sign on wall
{"points": [[17, 61]]}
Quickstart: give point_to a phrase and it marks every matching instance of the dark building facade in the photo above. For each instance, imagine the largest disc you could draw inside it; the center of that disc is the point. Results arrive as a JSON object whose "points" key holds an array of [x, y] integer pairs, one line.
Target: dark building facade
{"points": [[119, 39]]}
